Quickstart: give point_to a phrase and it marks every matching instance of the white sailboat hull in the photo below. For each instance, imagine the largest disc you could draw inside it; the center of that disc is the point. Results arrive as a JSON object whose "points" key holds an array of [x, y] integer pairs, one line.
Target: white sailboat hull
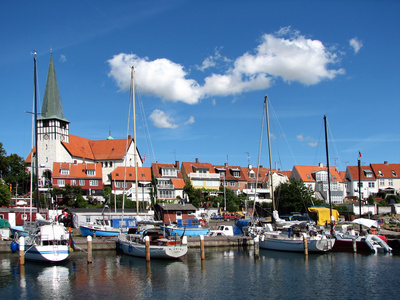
{"points": [[271, 242]]}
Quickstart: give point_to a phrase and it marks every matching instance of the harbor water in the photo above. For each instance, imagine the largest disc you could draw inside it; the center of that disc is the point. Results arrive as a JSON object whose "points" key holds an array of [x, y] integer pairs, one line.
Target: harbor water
{"points": [[227, 273]]}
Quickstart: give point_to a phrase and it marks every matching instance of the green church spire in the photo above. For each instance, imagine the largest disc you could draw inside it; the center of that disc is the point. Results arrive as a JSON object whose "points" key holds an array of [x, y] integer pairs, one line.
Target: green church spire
{"points": [[52, 105]]}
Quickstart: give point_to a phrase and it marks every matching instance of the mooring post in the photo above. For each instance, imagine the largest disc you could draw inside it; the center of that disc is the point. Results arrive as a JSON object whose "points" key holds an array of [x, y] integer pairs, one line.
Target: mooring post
{"points": [[147, 243], [305, 244], [354, 246], [89, 249], [256, 247], [203, 257], [21, 250]]}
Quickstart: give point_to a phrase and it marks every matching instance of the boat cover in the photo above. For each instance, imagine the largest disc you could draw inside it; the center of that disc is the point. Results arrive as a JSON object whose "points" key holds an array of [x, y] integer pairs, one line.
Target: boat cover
{"points": [[324, 214], [367, 222]]}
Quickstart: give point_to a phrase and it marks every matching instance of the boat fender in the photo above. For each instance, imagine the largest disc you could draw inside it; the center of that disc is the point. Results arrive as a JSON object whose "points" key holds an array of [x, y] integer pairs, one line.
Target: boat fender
{"points": [[202, 223], [14, 247], [130, 248]]}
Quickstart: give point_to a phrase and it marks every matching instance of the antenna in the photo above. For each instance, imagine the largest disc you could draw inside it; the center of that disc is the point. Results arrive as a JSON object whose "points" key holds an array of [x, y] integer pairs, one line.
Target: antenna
{"points": [[248, 158]]}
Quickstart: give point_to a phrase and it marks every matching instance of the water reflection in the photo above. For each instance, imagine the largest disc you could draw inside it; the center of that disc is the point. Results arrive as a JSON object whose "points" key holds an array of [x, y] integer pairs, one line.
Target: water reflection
{"points": [[230, 273]]}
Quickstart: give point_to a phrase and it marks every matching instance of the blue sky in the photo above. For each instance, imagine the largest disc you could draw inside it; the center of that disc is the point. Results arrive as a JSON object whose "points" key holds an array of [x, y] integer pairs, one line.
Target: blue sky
{"points": [[202, 69]]}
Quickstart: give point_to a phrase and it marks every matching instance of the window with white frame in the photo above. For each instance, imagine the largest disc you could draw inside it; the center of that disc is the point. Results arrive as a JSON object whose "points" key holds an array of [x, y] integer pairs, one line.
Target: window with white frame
{"points": [[82, 182], [382, 182], [93, 182], [117, 184], [64, 171], [73, 182], [91, 172], [233, 184], [390, 182], [371, 184], [61, 182]]}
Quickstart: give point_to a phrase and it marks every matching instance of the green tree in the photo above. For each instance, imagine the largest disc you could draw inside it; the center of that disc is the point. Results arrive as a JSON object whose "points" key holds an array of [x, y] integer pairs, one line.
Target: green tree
{"points": [[371, 199], [294, 196], [5, 195]]}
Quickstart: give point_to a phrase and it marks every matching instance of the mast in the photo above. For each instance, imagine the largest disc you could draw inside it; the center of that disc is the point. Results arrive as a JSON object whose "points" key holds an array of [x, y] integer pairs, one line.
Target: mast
{"points": [[329, 174], [36, 131], [134, 140], [269, 152]]}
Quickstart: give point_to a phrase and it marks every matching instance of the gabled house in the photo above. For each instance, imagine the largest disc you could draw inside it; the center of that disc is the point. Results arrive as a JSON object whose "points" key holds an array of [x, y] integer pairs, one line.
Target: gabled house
{"points": [[316, 178], [200, 175], [258, 181], [232, 177], [124, 180], [56, 144], [169, 181], [88, 176], [368, 182], [387, 176]]}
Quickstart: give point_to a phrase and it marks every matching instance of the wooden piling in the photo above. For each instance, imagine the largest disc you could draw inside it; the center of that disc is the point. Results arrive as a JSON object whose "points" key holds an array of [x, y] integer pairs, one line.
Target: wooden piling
{"points": [[203, 257], [147, 243], [257, 247], [305, 244], [21, 250], [89, 249]]}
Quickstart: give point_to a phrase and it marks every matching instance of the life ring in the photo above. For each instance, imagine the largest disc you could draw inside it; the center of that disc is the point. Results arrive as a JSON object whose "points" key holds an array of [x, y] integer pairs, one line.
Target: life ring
{"points": [[202, 223]]}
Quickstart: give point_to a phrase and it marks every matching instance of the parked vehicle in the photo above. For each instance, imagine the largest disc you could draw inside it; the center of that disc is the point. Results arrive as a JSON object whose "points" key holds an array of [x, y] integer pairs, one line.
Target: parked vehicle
{"points": [[230, 216], [216, 216]]}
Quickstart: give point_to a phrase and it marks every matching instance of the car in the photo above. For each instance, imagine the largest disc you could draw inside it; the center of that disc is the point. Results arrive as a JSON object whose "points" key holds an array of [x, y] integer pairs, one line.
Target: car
{"points": [[216, 216], [230, 216]]}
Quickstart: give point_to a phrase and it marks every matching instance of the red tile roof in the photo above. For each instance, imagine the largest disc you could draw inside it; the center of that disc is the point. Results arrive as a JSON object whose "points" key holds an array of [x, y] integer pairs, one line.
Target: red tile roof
{"points": [[178, 183], [144, 173], [77, 170], [306, 172], [386, 170], [353, 170]]}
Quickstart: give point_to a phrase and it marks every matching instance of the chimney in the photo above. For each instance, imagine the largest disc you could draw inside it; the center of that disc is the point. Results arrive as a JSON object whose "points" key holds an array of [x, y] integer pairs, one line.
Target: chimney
{"points": [[321, 165], [386, 162], [197, 160], [177, 164], [226, 165]]}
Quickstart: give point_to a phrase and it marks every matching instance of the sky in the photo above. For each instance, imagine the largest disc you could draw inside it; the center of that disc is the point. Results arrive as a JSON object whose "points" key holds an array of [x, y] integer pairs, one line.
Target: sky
{"points": [[202, 71]]}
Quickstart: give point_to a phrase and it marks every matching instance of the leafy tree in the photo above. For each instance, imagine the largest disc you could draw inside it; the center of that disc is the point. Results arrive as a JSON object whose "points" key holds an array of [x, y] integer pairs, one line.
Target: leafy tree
{"points": [[371, 200], [294, 196], [5, 195]]}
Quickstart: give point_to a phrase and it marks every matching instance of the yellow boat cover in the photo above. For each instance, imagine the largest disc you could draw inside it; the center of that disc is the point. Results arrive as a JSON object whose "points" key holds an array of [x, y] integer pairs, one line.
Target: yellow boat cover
{"points": [[324, 214]]}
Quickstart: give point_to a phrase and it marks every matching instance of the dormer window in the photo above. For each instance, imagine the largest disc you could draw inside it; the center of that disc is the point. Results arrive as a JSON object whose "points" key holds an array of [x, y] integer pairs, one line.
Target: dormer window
{"points": [[380, 173], [308, 176], [368, 173], [170, 172], [64, 171], [236, 174], [394, 173], [91, 172]]}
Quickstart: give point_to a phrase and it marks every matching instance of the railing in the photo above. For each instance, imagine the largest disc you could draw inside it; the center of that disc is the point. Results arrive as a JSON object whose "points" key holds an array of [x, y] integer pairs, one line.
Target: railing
{"points": [[204, 176], [165, 186]]}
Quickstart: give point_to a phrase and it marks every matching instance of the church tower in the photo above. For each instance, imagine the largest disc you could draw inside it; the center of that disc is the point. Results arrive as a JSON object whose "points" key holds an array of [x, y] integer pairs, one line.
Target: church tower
{"points": [[52, 125]]}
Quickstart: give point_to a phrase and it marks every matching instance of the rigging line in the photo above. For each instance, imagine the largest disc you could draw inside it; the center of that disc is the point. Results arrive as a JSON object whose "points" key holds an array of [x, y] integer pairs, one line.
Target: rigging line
{"points": [[334, 144], [146, 128], [282, 134], [317, 150], [126, 147], [258, 162]]}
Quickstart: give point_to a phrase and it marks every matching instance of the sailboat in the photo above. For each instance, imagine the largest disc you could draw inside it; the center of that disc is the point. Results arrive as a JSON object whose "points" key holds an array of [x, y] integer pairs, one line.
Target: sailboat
{"points": [[346, 238], [48, 242], [291, 237], [160, 246]]}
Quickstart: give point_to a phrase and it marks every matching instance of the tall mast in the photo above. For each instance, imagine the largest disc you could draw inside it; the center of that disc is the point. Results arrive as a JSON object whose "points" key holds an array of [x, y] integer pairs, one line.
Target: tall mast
{"points": [[269, 152], [36, 132], [134, 140], [329, 174]]}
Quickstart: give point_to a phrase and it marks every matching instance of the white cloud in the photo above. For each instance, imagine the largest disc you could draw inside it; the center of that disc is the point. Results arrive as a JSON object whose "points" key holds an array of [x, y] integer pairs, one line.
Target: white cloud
{"points": [[161, 77], [294, 58], [63, 58], [162, 120], [307, 140], [356, 44], [190, 121]]}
